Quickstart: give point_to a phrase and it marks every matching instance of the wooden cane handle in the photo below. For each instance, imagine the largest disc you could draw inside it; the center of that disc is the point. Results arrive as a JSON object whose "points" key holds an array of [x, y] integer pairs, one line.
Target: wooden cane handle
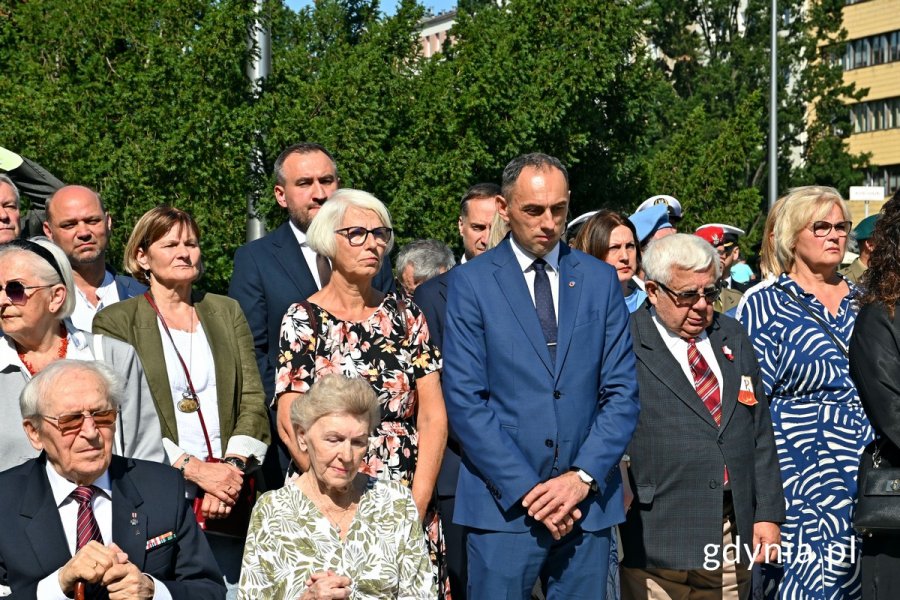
{"points": [[79, 590]]}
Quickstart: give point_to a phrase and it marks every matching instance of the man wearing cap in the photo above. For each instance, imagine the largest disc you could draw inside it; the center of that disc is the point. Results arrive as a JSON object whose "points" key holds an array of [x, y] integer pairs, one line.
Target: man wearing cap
{"points": [[673, 208], [863, 236], [714, 233], [652, 223]]}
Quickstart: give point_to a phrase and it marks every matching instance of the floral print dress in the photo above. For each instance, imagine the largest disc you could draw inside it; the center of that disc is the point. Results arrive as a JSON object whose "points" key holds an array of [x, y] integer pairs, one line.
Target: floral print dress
{"points": [[383, 554], [391, 350]]}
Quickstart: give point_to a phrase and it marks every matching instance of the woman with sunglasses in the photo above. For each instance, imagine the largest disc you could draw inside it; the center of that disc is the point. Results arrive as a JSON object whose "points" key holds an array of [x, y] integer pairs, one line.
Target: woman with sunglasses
{"points": [[800, 326], [351, 328], [198, 353], [37, 295]]}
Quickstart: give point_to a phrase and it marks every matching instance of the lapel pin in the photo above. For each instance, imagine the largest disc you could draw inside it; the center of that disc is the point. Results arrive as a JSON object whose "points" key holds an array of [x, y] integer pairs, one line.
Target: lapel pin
{"points": [[571, 284], [134, 520], [727, 352]]}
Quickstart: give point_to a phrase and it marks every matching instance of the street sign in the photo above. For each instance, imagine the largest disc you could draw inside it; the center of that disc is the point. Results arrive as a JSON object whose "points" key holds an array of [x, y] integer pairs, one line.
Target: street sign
{"points": [[866, 192]]}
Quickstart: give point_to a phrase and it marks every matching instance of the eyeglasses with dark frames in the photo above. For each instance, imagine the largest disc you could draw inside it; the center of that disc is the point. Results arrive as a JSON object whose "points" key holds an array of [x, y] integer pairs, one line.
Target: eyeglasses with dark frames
{"points": [[71, 422], [823, 228], [357, 236], [690, 297], [17, 292]]}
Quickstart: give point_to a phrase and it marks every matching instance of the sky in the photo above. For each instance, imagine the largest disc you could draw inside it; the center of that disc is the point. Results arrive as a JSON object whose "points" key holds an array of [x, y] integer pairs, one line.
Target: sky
{"points": [[388, 6]]}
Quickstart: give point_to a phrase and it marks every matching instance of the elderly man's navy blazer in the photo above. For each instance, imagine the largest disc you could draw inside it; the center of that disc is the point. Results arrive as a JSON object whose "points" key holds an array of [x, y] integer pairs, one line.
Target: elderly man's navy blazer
{"points": [[147, 501], [520, 417], [271, 274]]}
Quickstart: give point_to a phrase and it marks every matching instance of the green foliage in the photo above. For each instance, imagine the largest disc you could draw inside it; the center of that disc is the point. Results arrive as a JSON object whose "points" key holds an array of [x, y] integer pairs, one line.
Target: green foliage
{"points": [[148, 101]]}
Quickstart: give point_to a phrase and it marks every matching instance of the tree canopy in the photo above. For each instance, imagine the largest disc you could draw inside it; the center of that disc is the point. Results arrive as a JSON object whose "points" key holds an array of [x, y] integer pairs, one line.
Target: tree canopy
{"points": [[149, 102]]}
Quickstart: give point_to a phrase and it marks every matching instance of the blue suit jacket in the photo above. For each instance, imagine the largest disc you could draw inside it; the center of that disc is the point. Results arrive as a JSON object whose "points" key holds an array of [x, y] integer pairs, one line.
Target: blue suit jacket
{"points": [[431, 297], [269, 275], [33, 544], [521, 420], [127, 287]]}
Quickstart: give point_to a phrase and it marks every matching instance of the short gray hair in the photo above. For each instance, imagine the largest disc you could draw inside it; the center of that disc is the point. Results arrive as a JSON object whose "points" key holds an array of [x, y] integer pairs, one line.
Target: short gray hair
{"points": [[429, 258], [321, 235], [536, 160], [334, 393], [8, 181], [45, 272], [679, 251], [56, 374]]}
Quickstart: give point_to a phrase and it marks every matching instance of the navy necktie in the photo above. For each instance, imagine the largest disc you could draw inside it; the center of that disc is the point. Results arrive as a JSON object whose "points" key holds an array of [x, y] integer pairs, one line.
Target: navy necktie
{"points": [[543, 303]]}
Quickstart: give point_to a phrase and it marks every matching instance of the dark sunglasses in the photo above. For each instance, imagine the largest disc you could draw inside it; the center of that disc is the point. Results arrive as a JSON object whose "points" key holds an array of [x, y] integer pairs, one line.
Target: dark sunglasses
{"points": [[823, 228], [357, 236], [75, 421], [18, 293], [690, 297]]}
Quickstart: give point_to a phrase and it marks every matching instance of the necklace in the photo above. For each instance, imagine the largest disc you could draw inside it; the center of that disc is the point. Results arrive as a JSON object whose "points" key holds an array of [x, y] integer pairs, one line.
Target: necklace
{"points": [[61, 353], [335, 517]]}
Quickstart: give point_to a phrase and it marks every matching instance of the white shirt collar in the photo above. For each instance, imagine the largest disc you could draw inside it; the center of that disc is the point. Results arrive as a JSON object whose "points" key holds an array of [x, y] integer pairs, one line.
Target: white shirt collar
{"points": [[526, 258], [62, 488], [300, 235]]}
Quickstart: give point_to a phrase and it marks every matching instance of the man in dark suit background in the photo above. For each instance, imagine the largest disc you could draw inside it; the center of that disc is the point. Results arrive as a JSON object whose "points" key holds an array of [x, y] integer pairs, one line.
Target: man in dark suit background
{"points": [[78, 223], [78, 513], [279, 269], [703, 458], [543, 406], [476, 212]]}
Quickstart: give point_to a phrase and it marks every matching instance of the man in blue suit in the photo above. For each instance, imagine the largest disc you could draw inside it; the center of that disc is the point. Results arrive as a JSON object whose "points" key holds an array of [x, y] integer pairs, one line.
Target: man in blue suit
{"points": [[279, 269], [78, 513], [78, 223], [543, 406]]}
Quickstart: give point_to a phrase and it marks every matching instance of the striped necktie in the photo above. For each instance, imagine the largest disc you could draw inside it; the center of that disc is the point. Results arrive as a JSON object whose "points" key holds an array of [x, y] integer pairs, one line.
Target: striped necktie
{"points": [[706, 385], [87, 529]]}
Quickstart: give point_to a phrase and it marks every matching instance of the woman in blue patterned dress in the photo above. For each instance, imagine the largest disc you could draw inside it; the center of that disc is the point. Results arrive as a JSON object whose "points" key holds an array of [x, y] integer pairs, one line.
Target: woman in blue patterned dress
{"points": [[800, 327]]}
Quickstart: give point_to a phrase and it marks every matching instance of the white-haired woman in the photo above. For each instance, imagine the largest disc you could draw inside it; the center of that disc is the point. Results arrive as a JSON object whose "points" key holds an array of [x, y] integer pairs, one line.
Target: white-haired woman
{"points": [[800, 326], [38, 295], [349, 327], [334, 532]]}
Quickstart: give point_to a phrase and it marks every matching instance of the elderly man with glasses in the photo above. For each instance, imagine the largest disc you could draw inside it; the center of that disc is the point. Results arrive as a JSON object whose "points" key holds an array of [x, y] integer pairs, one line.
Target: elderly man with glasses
{"points": [[703, 459], [79, 514]]}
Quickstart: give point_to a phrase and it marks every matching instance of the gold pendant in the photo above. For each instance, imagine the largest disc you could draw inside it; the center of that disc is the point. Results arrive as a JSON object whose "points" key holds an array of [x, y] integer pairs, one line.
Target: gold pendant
{"points": [[188, 403]]}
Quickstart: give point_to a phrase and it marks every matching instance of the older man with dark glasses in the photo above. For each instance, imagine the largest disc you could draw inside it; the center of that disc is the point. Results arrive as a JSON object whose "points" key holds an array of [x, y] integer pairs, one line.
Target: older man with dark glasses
{"points": [[78, 514]]}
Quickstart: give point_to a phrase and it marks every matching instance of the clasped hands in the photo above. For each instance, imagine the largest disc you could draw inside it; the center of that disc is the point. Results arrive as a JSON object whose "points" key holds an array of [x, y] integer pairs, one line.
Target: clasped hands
{"points": [[108, 566], [326, 585], [555, 503], [221, 483]]}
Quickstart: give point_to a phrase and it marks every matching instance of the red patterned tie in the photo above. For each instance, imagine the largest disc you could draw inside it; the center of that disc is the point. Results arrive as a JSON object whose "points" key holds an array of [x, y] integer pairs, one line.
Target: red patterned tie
{"points": [[87, 525], [706, 385]]}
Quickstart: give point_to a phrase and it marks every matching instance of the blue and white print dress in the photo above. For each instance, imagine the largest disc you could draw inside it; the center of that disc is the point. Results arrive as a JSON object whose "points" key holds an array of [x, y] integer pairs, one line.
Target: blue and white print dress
{"points": [[820, 433]]}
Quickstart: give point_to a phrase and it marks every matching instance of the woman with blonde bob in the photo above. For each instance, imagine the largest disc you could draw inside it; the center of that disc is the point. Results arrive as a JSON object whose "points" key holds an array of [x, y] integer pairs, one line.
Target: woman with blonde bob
{"points": [[334, 532], [349, 327], [800, 326]]}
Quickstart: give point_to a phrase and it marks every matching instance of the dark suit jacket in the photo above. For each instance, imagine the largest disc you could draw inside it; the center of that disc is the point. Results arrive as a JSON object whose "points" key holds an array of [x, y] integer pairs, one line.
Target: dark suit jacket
{"points": [[33, 544], [431, 297], [240, 398], [875, 369], [678, 454], [522, 418], [270, 274]]}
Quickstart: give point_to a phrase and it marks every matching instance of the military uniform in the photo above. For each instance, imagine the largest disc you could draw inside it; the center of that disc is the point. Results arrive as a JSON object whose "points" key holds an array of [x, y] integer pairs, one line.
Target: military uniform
{"points": [[854, 271]]}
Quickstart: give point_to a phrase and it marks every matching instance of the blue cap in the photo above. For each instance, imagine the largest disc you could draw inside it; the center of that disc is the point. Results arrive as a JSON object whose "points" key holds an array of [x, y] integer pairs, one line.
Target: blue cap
{"points": [[650, 220]]}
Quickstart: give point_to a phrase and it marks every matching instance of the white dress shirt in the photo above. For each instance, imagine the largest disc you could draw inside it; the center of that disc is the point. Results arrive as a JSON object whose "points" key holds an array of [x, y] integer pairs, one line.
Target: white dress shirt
{"points": [[526, 260], [83, 315], [308, 254], [48, 588], [678, 346]]}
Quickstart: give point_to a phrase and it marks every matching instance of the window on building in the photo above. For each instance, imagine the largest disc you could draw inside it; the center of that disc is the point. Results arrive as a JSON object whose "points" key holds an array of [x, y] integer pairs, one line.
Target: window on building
{"points": [[873, 50], [887, 177], [876, 115]]}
